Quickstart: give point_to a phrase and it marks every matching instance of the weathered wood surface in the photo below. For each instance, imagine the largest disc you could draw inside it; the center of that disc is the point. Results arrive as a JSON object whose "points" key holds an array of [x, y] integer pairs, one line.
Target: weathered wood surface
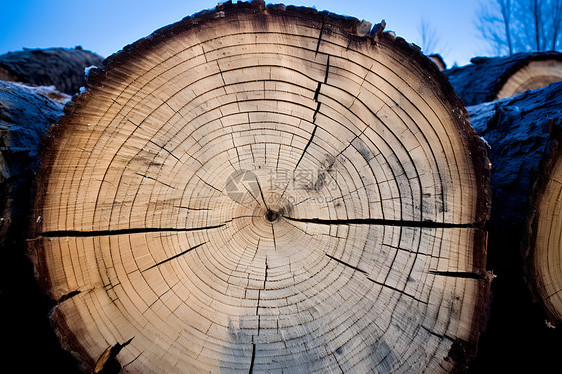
{"points": [[523, 133], [490, 78], [265, 189], [29, 343], [59, 67]]}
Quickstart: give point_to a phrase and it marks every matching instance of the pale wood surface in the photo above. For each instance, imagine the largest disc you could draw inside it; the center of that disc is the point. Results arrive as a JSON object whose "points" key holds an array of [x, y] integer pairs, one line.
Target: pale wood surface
{"points": [[375, 262], [490, 78], [546, 262], [535, 75]]}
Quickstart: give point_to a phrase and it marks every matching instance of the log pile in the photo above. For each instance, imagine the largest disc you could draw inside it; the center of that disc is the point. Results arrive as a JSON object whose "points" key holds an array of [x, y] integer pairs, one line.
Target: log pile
{"points": [[25, 114], [491, 78], [265, 189], [523, 133], [279, 189], [59, 67]]}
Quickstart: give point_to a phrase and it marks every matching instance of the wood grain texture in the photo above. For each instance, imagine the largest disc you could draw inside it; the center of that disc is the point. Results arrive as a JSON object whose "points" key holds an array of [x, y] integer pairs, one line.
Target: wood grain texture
{"points": [[266, 189], [491, 78]]}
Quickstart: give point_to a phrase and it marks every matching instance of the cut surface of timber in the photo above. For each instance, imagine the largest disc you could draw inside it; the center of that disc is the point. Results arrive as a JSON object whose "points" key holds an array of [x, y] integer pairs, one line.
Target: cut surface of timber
{"points": [[546, 258], [523, 133], [265, 189], [59, 67], [491, 78]]}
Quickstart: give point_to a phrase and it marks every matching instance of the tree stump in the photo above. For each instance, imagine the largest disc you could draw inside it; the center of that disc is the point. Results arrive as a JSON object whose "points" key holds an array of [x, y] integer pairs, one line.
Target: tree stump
{"points": [[59, 67], [265, 189], [493, 78], [523, 133]]}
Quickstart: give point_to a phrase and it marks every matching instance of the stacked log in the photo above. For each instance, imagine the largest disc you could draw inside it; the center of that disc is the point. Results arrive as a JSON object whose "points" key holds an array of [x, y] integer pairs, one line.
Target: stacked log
{"points": [[265, 189], [523, 133], [59, 67], [491, 78], [29, 342]]}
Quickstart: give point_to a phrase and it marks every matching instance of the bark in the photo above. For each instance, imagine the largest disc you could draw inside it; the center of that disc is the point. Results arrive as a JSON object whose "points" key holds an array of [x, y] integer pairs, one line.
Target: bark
{"points": [[29, 341], [59, 67], [264, 189], [490, 78], [523, 133]]}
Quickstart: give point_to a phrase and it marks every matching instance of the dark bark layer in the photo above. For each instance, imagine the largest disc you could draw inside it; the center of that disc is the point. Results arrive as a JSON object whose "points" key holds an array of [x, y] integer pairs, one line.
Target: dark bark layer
{"points": [[29, 341], [59, 67], [521, 132], [481, 80]]}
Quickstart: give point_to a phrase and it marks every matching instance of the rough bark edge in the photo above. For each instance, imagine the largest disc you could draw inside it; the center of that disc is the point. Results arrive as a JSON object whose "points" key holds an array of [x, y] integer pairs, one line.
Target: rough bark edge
{"points": [[346, 25], [60, 67], [529, 238], [497, 75]]}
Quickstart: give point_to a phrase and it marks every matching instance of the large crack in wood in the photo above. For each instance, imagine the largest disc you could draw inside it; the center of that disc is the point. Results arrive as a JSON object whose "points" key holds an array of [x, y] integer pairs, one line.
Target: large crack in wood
{"points": [[458, 274], [252, 359], [143, 230], [384, 222]]}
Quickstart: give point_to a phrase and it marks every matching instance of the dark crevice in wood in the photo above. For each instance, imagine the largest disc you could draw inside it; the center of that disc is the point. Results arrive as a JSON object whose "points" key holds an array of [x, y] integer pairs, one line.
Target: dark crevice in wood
{"points": [[384, 222], [317, 92], [252, 359], [176, 256], [458, 274], [327, 70], [320, 37], [346, 264], [144, 230], [309, 140], [107, 362], [68, 296]]}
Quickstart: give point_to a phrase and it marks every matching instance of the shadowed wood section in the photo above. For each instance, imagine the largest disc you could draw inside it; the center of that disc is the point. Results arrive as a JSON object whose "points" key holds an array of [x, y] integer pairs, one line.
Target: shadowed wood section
{"points": [[312, 192], [491, 78], [59, 67], [523, 133], [25, 114], [546, 259]]}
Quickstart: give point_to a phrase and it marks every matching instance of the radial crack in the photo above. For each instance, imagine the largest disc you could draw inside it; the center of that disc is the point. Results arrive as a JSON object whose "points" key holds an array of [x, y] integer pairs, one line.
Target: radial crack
{"points": [[175, 256], [458, 274], [76, 233], [346, 264], [383, 222], [253, 358]]}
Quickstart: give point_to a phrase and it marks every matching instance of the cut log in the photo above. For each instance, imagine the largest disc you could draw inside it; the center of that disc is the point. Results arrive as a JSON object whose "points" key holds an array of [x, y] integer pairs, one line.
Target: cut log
{"points": [[438, 61], [59, 67], [491, 78], [25, 113], [265, 189], [523, 133]]}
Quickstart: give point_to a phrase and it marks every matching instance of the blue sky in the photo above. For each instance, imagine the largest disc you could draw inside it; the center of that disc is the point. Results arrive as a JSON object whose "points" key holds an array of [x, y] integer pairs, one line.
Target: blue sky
{"points": [[106, 26]]}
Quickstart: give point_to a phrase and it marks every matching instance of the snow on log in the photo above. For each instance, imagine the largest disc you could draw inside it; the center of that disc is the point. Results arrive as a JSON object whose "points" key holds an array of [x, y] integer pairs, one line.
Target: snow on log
{"points": [[265, 189], [491, 78], [524, 135], [59, 67]]}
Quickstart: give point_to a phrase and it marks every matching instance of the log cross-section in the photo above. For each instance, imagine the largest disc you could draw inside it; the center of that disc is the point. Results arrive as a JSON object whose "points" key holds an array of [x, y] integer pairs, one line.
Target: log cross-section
{"points": [[266, 189]]}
